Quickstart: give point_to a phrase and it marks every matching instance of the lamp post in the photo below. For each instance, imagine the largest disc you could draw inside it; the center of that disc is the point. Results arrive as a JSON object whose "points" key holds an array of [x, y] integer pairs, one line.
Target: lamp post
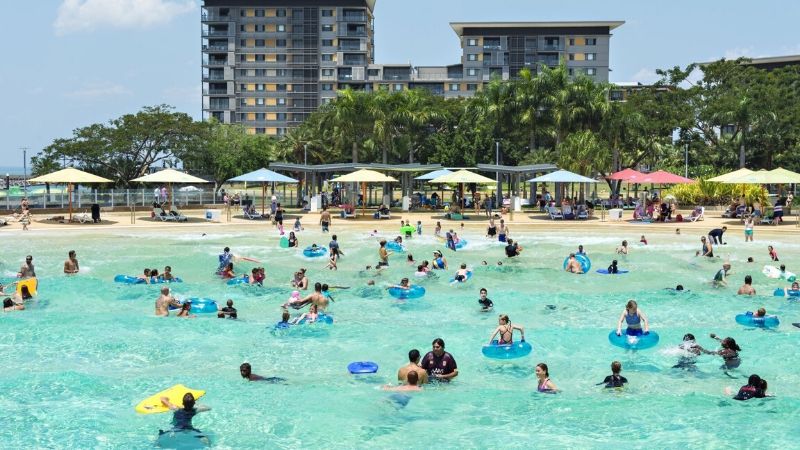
{"points": [[8, 181], [305, 169], [497, 195], [25, 169], [686, 160]]}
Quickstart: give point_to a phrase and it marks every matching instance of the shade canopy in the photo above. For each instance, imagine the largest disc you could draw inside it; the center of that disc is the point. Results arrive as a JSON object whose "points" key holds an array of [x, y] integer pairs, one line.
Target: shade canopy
{"points": [[434, 174], [781, 175], [463, 176], [633, 176], [561, 176], [364, 176], [169, 176], [664, 177], [775, 176], [69, 175], [263, 176], [731, 175]]}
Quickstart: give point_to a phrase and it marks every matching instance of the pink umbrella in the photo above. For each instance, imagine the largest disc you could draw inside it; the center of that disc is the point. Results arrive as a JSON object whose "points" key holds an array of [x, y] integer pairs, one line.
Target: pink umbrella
{"points": [[662, 177], [628, 174]]}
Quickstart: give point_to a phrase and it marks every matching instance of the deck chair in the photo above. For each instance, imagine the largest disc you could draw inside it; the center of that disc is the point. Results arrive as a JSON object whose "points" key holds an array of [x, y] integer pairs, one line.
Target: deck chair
{"points": [[766, 219], [700, 216], [385, 216], [81, 217], [248, 215], [554, 213], [163, 216], [346, 215], [582, 214], [177, 214]]}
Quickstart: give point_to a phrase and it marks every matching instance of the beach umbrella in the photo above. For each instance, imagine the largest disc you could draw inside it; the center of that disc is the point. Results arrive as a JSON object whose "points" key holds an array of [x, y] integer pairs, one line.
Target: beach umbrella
{"points": [[434, 174], [364, 176], [263, 176], [561, 176], [170, 176], [782, 175], [629, 175], [663, 177], [731, 175], [462, 176], [70, 176]]}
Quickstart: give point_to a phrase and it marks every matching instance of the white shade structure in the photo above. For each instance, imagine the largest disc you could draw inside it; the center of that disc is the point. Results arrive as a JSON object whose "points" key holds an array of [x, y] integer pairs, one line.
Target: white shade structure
{"points": [[263, 176], [170, 176], [364, 176], [434, 174]]}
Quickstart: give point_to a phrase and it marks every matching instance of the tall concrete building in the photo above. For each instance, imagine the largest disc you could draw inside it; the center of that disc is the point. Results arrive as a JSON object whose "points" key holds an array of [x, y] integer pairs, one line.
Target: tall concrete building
{"points": [[268, 64]]}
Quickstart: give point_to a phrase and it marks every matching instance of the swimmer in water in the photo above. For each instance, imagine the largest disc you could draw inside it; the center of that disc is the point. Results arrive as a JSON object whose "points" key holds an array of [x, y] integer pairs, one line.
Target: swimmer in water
{"points": [[729, 351], [691, 351], [755, 388], [795, 287], [615, 380], [484, 301], [721, 277], [747, 288], [635, 319], [623, 248], [246, 371], [544, 384], [403, 285], [707, 249], [581, 252], [643, 240], [573, 265], [461, 274], [772, 253], [505, 330], [613, 267], [412, 378], [182, 416]]}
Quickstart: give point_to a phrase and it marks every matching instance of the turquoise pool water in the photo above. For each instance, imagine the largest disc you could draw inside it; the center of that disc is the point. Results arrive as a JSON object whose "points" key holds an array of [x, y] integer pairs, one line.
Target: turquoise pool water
{"points": [[76, 363]]}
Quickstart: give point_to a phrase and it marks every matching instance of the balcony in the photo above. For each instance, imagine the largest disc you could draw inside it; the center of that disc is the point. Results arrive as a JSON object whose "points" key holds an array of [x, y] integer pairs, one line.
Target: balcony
{"points": [[213, 33], [214, 77], [345, 77], [216, 92], [212, 17], [215, 48], [354, 17], [215, 62], [552, 48]]}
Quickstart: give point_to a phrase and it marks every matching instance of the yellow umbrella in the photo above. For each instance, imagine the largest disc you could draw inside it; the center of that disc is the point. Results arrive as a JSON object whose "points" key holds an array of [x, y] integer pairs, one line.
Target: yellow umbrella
{"points": [[781, 175], [463, 176], [70, 176], [731, 175], [364, 176], [169, 176]]}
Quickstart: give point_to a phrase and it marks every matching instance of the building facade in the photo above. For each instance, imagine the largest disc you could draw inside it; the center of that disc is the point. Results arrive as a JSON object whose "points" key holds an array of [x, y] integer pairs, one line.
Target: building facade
{"points": [[269, 64]]}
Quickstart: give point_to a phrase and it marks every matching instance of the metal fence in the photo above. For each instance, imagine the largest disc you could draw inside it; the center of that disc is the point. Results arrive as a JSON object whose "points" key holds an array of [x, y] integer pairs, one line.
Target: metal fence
{"points": [[111, 198]]}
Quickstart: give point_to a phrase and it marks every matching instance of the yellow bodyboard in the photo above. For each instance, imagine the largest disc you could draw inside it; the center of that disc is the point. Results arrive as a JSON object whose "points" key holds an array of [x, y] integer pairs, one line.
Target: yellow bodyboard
{"points": [[30, 282], [153, 405]]}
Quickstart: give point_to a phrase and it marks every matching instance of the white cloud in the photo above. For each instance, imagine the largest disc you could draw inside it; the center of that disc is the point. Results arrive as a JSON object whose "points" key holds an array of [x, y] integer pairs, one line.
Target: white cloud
{"points": [[86, 15], [96, 90], [646, 76]]}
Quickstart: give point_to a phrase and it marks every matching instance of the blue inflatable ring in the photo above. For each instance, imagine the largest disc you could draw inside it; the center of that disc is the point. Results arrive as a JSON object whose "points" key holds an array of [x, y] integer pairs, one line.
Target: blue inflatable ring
{"points": [[507, 351], [779, 293], [414, 291], [361, 367], [461, 243], [749, 320], [128, 279], [606, 272], [320, 251], [395, 247], [321, 318], [469, 275], [584, 262], [640, 342], [200, 305], [244, 279]]}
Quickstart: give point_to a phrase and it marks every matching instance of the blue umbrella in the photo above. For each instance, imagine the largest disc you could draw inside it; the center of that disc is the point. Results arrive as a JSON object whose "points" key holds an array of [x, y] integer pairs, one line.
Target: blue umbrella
{"points": [[263, 176], [562, 176]]}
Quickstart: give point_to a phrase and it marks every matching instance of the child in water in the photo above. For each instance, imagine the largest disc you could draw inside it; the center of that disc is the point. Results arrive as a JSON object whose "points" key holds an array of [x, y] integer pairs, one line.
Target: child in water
{"points": [[643, 240], [182, 417], [419, 228], [297, 226]]}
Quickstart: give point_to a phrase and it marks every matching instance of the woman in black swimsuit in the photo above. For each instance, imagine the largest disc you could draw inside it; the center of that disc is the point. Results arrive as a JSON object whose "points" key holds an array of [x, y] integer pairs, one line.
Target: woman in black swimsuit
{"points": [[279, 215], [491, 230]]}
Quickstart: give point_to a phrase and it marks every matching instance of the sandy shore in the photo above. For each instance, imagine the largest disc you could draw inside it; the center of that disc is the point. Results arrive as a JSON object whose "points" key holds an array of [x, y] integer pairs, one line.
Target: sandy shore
{"points": [[525, 221]]}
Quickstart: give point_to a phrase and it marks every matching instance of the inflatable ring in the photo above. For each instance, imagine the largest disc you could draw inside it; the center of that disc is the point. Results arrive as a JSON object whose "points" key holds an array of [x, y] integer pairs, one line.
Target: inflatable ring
{"points": [[361, 367], [606, 272], [320, 251], [507, 351], [200, 305], [749, 320], [640, 342], [244, 279], [321, 318], [780, 293], [582, 260], [395, 247], [31, 283], [461, 243], [129, 279], [414, 291], [469, 275]]}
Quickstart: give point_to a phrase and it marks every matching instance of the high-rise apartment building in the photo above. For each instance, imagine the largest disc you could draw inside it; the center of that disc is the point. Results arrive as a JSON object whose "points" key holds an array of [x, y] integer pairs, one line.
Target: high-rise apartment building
{"points": [[268, 64]]}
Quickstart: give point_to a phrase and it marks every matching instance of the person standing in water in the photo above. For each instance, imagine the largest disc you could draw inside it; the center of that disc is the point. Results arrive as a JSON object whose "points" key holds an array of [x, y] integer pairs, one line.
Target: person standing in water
{"points": [[71, 265]]}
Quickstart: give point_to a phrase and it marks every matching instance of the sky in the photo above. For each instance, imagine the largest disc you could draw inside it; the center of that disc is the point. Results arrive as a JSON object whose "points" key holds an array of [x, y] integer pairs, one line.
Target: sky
{"points": [[71, 63]]}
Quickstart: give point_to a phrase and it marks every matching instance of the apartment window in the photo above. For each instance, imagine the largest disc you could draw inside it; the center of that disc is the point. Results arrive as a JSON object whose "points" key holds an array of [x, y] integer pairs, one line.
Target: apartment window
{"points": [[259, 13], [261, 131], [327, 72], [280, 12], [591, 56], [259, 87], [281, 28], [591, 41], [327, 42], [472, 72], [280, 116], [327, 13], [280, 87], [243, 87], [327, 86], [570, 72], [472, 57], [261, 116], [591, 71], [373, 72], [327, 57], [242, 42], [327, 28], [280, 42], [571, 41], [281, 101], [280, 58], [261, 28], [260, 101], [397, 87], [453, 87], [472, 42], [326, 100], [572, 56], [472, 87], [258, 72], [280, 72], [260, 43]]}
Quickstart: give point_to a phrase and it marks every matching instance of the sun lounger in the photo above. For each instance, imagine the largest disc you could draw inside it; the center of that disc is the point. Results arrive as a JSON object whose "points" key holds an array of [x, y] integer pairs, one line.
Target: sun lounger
{"points": [[346, 215], [164, 217], [248, 215], [178, 215], [583, 214], [81, 217], [699, 216], [554, 213]]}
